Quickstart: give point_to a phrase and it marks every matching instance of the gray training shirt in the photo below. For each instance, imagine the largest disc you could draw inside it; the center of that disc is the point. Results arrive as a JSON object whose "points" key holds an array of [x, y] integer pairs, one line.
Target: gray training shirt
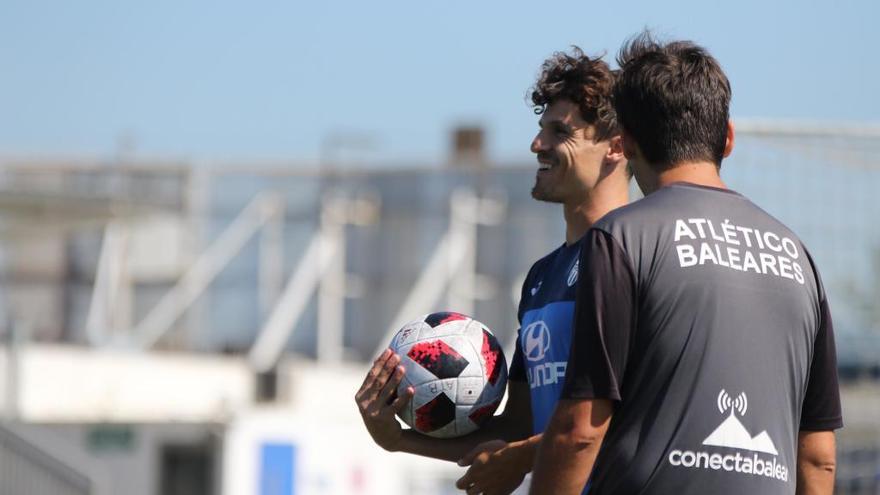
{"points": [[705, 320]]}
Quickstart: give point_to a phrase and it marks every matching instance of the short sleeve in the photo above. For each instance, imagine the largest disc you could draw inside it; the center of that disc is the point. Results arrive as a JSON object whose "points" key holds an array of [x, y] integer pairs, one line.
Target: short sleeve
{"points": [[821, 408], [604, 320], [517, 365]]}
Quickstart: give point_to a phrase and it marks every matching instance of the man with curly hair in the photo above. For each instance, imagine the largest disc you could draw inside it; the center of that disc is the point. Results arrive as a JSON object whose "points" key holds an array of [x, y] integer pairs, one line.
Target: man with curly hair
{"points": [[582, 167]]}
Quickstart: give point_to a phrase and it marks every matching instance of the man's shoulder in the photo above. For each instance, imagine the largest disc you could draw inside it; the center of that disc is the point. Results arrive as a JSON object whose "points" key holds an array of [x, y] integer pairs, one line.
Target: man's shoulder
{"points": [[670, 201], [548, 257], [640, 210], [540, 266]]}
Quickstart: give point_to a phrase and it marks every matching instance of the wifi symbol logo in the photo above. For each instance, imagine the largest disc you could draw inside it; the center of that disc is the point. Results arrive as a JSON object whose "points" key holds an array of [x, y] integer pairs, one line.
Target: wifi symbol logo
{"points": [[740, 404]]}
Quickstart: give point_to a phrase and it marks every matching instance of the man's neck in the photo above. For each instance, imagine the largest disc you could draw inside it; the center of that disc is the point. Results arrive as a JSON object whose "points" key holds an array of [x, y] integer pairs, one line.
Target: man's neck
{"points": [[580, 216], [699, 173]]}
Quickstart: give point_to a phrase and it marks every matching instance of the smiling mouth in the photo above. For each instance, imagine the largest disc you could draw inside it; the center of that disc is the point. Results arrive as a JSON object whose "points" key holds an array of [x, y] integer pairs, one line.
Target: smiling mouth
{"points": [[544, 165]]}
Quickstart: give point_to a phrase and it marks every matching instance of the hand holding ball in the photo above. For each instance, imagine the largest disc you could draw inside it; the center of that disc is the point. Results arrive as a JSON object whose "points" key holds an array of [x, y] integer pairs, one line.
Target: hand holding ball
{"points": [[457, 369]]}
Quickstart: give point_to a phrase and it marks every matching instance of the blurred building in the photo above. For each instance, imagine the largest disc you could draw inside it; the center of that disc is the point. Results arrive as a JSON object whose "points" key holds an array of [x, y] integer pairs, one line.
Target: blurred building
{"points": [[182, 328]]}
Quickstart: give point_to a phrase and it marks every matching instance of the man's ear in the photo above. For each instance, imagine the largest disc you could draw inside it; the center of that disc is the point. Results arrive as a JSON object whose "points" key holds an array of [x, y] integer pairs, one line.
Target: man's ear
{"points": [[728, 142], [615, 150]]}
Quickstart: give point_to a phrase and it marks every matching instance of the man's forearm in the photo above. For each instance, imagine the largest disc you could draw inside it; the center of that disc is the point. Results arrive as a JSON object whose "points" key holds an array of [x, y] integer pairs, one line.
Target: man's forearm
{"points": [[569, 447], [816, 463], [814, 480], [453, 449], [562, 465]]}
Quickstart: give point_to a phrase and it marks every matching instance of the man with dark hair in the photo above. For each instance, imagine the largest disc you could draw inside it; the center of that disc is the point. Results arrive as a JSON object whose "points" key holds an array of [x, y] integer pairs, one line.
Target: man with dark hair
{"points": [[580, 166], [703, 357]]}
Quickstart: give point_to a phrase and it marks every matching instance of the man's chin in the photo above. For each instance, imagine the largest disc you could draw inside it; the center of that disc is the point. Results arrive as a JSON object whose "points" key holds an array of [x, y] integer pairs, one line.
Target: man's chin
{"points": [[539, 194]]}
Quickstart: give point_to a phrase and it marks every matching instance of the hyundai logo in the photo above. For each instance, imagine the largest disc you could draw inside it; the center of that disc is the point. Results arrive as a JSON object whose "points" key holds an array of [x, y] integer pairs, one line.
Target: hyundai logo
{"points": [[536, 341]]}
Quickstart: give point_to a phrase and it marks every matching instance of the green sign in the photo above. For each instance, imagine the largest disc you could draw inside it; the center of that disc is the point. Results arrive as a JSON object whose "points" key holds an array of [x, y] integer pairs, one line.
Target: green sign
{"points": [[110, 438]]}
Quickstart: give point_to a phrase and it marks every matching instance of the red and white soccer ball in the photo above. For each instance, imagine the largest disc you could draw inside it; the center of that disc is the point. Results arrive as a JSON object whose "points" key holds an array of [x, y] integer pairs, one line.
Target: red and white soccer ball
{"points": [[457, 369]]}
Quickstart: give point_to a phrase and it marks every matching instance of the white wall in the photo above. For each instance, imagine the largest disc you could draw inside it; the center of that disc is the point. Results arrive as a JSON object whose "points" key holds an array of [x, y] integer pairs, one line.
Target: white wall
{"points": [[81, 385]]}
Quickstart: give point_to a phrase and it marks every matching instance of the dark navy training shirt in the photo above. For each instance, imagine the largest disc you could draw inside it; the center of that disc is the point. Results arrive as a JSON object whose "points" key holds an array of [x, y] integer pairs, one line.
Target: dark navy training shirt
{"points": [[546, 312]]}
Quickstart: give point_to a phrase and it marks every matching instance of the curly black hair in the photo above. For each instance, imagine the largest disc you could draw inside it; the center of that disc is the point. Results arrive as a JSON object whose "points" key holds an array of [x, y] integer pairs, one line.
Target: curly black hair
{"points": [[587, 82]]}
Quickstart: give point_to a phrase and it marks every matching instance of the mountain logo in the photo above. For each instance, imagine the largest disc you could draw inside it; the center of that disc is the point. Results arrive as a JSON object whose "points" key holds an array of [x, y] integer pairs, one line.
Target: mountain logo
{"points": [[731, 432]]}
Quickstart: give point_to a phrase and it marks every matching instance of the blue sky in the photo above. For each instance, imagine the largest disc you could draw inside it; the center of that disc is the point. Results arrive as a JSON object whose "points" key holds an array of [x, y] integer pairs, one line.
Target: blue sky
{"points": [[271, 80]]}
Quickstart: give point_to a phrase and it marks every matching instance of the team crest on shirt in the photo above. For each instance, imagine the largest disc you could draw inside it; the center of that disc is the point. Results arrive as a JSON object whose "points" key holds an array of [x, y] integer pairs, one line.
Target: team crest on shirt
{"points": [[573, 274]]}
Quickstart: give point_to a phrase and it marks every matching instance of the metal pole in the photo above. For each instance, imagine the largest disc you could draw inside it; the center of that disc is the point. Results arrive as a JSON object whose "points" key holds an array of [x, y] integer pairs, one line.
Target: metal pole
{"points": [[97, 319], [110, 308], [463, 265], [18, 334], [445, 262], [331, 287], [274, 335], [271, 275], [200, 274], [452, 265]]}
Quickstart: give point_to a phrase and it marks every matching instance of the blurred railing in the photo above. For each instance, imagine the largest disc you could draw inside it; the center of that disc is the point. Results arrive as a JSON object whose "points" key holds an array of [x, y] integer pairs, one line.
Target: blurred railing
{"points": [[858, 471], [26, 469], [858, 443]]}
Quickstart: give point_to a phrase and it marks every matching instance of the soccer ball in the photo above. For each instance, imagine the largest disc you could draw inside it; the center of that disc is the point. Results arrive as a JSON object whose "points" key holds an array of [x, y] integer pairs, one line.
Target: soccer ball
{"points": [[457, 369]]}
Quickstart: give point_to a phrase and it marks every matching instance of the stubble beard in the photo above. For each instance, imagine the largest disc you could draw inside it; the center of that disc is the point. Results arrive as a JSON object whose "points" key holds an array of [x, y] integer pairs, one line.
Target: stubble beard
{"points": [[548, 191], [540, 193]]}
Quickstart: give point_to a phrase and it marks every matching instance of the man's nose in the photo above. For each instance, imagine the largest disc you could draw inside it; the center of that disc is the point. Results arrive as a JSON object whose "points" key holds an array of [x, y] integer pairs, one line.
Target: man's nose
{"points": [[538, 144]]}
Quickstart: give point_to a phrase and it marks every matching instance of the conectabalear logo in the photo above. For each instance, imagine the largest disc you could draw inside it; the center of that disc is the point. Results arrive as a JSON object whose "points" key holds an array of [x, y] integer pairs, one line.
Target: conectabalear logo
{"points": [[731, 434]]}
